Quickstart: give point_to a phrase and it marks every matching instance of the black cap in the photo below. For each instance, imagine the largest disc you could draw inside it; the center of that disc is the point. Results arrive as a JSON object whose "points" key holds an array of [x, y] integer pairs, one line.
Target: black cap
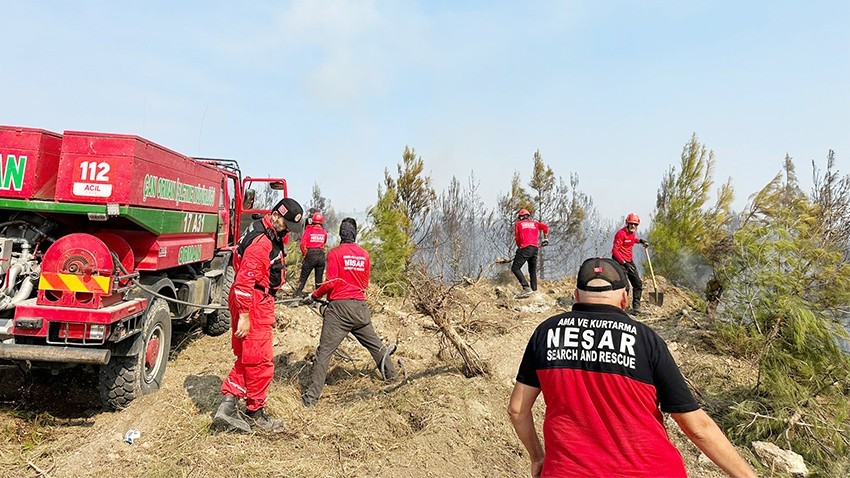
{"points": [[601, 268], [292, 213]]}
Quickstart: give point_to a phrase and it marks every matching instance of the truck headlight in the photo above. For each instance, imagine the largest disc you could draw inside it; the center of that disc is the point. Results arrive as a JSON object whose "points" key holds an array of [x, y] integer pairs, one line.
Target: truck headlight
{"points": [[97, 331]]}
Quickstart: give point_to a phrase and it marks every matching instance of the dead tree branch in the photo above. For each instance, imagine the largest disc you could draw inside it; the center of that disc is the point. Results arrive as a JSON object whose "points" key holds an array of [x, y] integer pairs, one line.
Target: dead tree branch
{"points": [[434, 300]]}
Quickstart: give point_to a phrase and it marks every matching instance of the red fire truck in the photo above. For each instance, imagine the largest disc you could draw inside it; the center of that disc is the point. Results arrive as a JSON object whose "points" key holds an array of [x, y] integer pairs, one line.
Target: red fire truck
{"points": [[105, 241]]}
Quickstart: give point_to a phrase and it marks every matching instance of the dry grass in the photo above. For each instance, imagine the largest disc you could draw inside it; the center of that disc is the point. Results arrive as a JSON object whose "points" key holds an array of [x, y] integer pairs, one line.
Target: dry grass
{"points": [[438, 424]]}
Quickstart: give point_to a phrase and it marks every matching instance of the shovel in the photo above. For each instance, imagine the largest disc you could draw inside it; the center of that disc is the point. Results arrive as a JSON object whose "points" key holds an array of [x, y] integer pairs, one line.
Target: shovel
{"points": [[657, 297]]}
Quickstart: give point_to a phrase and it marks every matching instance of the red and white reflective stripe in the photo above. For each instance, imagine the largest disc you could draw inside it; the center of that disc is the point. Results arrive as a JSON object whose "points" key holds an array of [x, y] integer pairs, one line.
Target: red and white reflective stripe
{"points": [[237, 387], [243, 294]]}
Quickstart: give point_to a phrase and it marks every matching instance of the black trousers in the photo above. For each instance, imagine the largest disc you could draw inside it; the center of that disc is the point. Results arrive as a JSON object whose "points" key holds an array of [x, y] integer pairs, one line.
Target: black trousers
{"points": [[637, 284], [526, 254], [314, 260], [342, 317]]}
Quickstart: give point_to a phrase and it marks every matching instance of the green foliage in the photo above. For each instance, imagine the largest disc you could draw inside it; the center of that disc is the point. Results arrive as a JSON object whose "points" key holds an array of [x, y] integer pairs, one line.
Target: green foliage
{"points": [[388, 244], [543, 183], [414, 194], [518, 198], [784, 286], [291, 261], [685, 233], [735, 340]]}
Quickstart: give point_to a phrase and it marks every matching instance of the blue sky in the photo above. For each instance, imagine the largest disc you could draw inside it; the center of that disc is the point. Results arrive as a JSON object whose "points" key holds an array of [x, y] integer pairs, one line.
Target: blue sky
{"points": [[331, 91]]}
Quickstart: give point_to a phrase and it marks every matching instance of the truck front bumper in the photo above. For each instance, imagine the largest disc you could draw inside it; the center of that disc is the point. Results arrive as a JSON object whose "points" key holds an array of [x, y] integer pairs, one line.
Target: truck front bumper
{"points": [[52, 353]]}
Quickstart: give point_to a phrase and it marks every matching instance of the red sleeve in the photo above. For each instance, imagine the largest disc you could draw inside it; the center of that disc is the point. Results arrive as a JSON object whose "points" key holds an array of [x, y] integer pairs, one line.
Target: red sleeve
{"points": [[517, 236], [253, 270], [368, 269], [304, 237], [331, 275], [618, 246], [543, 227]]}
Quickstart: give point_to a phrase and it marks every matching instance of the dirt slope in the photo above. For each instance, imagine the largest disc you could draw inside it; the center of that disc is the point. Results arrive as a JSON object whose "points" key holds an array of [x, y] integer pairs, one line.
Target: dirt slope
{"points": [[438, 424]]}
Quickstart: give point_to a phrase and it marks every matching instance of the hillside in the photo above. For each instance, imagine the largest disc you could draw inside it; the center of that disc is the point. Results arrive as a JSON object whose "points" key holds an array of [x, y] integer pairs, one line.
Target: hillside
{"points": [[437, 424]]}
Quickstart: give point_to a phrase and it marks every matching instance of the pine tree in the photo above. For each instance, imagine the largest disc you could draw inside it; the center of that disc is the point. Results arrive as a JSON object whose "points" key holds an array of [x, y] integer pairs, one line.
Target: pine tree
{"points": [[543, 183], [832, 194], [388, 244], [785, 284], [414, 194], [685, 234]]}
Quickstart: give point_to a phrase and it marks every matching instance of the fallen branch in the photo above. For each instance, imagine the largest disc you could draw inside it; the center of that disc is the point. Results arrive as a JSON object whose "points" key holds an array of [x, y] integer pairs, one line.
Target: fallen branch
{"points": [[432, 299], [38, 470], [791, 422]]}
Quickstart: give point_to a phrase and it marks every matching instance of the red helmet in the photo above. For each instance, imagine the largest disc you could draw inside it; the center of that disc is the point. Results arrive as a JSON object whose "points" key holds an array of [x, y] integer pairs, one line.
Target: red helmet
{"points": [[318, 218], [632, 218], [524, 212]]}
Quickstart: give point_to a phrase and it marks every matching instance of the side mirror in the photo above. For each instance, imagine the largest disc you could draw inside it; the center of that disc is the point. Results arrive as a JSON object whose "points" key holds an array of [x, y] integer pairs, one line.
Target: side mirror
{"points": [[276, 185], [248, 200]]}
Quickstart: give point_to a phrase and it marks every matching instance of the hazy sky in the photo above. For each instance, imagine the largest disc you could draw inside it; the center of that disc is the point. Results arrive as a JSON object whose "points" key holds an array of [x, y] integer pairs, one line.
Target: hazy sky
{"points": [[331, 91]]}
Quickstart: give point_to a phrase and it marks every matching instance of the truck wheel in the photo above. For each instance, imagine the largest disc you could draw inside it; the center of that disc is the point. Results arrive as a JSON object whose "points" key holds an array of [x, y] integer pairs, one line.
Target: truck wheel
{"points": [[124, 379], [218, 322]]}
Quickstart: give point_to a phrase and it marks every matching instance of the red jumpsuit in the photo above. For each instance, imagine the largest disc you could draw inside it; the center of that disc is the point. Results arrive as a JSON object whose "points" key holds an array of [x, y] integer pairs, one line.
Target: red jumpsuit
{"points": [[258, 275]]}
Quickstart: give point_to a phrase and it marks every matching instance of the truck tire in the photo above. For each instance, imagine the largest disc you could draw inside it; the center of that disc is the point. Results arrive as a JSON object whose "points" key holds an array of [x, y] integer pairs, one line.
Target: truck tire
{"points": [[218, 322], [124, 379]]}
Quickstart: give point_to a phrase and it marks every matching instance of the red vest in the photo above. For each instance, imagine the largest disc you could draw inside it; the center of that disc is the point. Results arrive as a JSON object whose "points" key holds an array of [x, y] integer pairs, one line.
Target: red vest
{"points": [[624, 241], [526, 232], [347, 273], [314, 237]]}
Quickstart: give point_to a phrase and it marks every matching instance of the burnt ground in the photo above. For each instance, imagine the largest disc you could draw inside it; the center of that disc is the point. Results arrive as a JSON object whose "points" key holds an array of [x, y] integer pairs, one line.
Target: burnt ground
{"points": [[437, 424]]}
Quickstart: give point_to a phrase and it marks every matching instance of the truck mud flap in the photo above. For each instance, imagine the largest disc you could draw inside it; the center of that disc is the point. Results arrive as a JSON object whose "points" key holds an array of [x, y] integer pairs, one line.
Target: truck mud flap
{"points": [[49, 353]]}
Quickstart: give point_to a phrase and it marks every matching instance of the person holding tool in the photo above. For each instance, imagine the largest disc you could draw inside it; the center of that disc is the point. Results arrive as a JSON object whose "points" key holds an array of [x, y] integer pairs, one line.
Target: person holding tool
{"points": [[313, 242], [624, 240], [347, 312], [259, 265], [526, 235]]}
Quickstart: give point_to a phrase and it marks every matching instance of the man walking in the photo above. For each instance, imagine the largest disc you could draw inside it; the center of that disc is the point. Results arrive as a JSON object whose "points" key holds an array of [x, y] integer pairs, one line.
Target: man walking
{"points": [[606, 380], [313, 242], [526, 234], [624, 240], [259, 264], [347, 312]]}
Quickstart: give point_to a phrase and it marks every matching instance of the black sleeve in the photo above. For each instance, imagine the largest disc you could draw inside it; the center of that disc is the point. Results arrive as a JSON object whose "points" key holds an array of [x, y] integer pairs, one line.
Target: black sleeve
{"points": [[673, 393], [528, 367]]}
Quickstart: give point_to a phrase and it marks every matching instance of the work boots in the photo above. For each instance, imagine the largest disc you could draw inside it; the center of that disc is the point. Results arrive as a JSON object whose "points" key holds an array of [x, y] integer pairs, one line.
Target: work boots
{"points": [[526, 292], [636, 310], [227, 416], [263, 423]]}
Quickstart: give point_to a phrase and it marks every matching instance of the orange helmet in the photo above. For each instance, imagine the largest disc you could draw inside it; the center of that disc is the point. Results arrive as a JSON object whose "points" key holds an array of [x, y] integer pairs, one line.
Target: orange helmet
{"points": [[524, 212], [632, 218], [318, 218]]}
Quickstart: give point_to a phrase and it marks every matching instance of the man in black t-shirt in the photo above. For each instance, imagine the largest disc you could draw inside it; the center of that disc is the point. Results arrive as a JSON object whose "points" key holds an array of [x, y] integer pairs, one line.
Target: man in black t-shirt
{"points": [[607, 379]]}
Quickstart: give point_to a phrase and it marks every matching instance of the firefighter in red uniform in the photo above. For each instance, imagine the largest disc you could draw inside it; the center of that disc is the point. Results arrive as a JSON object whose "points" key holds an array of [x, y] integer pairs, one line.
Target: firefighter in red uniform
{"points": [[259, 264], [348, 278], [526, 234], [624, 241], [313, 251]]}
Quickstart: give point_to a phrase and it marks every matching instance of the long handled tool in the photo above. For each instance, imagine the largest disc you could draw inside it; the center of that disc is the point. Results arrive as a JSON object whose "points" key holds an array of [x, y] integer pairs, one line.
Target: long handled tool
{"points": [[657, 297]]}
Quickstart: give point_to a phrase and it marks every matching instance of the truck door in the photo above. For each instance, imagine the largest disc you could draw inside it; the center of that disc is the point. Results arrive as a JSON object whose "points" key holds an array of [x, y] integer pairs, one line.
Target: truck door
{"points": [[227, 230]]}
